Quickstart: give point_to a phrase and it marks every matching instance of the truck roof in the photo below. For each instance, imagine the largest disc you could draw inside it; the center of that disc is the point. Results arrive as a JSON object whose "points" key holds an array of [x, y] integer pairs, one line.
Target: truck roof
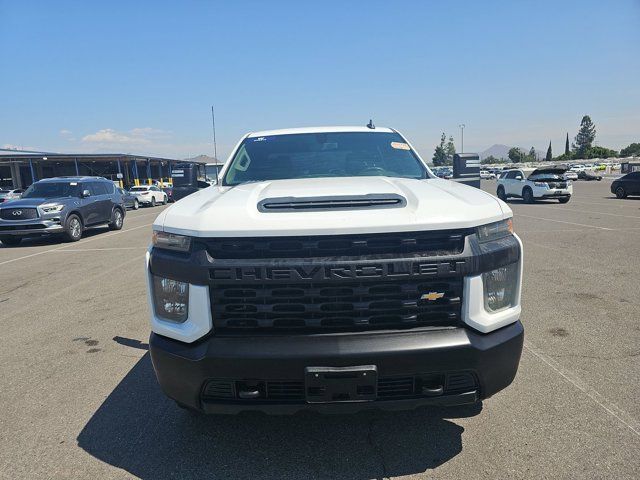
{"points": [[335, 129]]}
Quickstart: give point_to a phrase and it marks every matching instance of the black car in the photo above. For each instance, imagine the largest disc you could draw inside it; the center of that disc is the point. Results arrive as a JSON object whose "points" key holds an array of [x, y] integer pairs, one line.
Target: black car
{"points": [[62, 205], [130, 201], [588, 176], [627, 185]]}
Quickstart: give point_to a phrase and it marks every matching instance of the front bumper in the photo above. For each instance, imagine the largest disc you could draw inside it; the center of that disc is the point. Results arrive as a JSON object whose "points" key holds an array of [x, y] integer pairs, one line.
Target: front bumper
{"points": [[184, 369], [34, 227], [558, 193]]}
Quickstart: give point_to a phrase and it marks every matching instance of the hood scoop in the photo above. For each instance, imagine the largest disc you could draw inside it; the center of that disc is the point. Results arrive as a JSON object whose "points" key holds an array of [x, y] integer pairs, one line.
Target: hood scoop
{"points": [[342, 202]]}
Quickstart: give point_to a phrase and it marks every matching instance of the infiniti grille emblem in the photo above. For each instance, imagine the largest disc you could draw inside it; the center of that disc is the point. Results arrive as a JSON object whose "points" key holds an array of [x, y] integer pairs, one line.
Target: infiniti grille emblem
{"points": [[16, 213]]}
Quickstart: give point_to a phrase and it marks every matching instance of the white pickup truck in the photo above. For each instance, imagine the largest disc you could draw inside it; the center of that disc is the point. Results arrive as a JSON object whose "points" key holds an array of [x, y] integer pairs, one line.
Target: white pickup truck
{"points": [[329, 269], [542, 183]]}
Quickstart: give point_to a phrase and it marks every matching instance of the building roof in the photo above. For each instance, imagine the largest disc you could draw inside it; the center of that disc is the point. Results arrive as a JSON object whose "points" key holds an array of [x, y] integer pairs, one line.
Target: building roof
{"points": [[7, 155]]}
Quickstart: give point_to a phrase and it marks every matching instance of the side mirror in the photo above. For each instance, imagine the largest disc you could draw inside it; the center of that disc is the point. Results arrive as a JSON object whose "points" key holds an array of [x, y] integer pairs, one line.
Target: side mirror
{"points": [[86, 193]]}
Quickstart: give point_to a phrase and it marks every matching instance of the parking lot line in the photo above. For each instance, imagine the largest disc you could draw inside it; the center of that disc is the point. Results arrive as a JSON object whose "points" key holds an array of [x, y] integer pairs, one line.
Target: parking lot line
{"points": [[81, 242], [608, 406], [616, 204], [101, 249], [562, 221], [564, 209]]}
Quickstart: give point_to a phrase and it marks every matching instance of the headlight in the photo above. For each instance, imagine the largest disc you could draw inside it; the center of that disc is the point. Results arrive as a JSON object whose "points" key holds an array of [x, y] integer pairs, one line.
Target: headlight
{"points": [[500, 287], [494, 231], [171, 241], [170, 299], [541, 184], [52, 208]]}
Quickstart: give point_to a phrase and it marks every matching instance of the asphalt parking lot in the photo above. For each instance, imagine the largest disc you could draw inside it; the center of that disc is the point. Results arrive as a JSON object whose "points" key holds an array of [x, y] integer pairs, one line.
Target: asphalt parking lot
{"points": [[78, 397]]}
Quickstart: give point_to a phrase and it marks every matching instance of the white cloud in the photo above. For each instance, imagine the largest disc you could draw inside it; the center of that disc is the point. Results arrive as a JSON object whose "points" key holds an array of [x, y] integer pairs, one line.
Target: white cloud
{"points": [[65, 133], [108, 136], [9, 146], [134, 137]]}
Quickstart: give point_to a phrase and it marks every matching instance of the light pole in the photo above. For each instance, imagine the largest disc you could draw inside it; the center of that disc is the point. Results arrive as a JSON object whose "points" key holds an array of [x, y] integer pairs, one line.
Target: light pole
{"points": [[462, 125]]}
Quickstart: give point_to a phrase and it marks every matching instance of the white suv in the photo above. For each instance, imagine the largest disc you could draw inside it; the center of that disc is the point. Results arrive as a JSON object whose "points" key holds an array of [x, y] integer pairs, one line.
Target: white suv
{"points": [[149, 195], [542, 183]]}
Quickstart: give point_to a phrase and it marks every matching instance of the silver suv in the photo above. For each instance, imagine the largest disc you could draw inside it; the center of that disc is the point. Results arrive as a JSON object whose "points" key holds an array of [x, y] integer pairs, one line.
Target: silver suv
{"points": [[62, 205]]}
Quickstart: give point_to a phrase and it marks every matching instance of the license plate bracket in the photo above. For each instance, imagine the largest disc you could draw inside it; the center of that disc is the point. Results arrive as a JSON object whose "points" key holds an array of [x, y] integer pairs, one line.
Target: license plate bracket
{"points": [[341, 384]]}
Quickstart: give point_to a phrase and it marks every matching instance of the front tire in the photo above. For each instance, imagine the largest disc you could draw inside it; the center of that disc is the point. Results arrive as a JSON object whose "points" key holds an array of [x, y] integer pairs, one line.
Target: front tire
{"points": [[117, 220], [527, 195], [153, 201], [621, 192], [501, 194], [10, 241], [136, 204], [564, 200], [164, 200], [73, 228]]}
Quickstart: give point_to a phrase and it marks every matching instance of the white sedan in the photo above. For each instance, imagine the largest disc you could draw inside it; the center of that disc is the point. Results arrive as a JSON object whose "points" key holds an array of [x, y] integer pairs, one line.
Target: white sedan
{"points": [[149, 195]]}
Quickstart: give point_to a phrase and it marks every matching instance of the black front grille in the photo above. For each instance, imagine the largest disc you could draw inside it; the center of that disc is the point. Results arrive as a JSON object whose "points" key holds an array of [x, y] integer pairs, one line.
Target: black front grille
{"points": [[352, 305], [31, 226], [557, 184], [390, 387], [18, 213], [441, 242]]}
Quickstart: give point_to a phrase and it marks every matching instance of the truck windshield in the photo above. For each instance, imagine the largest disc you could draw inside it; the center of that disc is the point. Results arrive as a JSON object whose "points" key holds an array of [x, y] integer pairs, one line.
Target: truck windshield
{"points": [[52, 190], [314, 155]]}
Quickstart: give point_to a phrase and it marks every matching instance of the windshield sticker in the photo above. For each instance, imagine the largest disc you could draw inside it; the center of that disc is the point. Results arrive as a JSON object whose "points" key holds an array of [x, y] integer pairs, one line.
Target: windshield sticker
{"points": [[400, 146], [260, 139], [73, 183]]}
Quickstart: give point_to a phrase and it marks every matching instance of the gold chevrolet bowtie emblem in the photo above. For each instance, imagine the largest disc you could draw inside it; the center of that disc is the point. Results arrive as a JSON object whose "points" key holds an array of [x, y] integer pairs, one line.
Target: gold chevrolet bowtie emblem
{"points": [[431, 296]]}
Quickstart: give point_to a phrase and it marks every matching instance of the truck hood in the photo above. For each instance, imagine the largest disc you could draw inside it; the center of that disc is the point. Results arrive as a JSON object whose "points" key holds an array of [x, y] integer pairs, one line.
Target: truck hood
{"points": [[430, 204]]}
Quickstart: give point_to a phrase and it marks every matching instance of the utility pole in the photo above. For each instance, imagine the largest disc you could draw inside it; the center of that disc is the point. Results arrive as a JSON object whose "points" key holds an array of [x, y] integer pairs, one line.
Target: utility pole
{"points": [[462, 125]]}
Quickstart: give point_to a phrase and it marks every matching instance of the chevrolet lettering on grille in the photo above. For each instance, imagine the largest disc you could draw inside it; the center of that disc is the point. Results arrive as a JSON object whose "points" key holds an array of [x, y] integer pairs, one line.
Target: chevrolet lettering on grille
{"points": [[339, 272]]}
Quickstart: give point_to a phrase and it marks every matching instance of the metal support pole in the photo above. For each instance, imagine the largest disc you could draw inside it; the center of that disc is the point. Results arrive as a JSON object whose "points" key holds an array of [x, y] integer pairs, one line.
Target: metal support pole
{"points": [[160, 170], [119, 174], [75, 160], [170, 178], [136, 180], [33, 175], [149, 171]]}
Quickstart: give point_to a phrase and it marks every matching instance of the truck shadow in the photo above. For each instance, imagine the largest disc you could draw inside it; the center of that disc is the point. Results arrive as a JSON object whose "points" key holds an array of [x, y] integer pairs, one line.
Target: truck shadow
{"points": [[141, 431]]}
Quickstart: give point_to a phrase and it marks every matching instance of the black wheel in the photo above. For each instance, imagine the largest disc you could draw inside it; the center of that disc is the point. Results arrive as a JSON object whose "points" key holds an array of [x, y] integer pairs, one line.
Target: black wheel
{"points": [[136, 204], [117, 219], [164, 200], [527, 195], [501, 195], [73, 228], [11, 241], [564, 200], [621, 192], [153, 201]]}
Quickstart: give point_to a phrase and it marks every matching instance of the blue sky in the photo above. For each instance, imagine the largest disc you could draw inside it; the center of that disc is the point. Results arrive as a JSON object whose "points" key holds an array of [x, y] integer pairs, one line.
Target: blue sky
{"points": [[141, 76]]}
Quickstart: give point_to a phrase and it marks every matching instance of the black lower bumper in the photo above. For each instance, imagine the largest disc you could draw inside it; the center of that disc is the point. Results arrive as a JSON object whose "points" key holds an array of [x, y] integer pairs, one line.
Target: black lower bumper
{"points": [[184, 370]]}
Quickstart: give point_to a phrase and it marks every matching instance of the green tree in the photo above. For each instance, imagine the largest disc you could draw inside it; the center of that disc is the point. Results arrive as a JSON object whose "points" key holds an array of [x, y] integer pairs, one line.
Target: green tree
{"points": [[600, 152], [549, 155], [531, 156], [450, 147], [515, 155], [585, 137], [632, 150], [440, 154], [567, 151]]}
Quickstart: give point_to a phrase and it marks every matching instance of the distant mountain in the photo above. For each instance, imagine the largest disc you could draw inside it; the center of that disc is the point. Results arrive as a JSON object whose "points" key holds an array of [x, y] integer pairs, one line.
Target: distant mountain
{"points": [[502, 151], [201, 158]]}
